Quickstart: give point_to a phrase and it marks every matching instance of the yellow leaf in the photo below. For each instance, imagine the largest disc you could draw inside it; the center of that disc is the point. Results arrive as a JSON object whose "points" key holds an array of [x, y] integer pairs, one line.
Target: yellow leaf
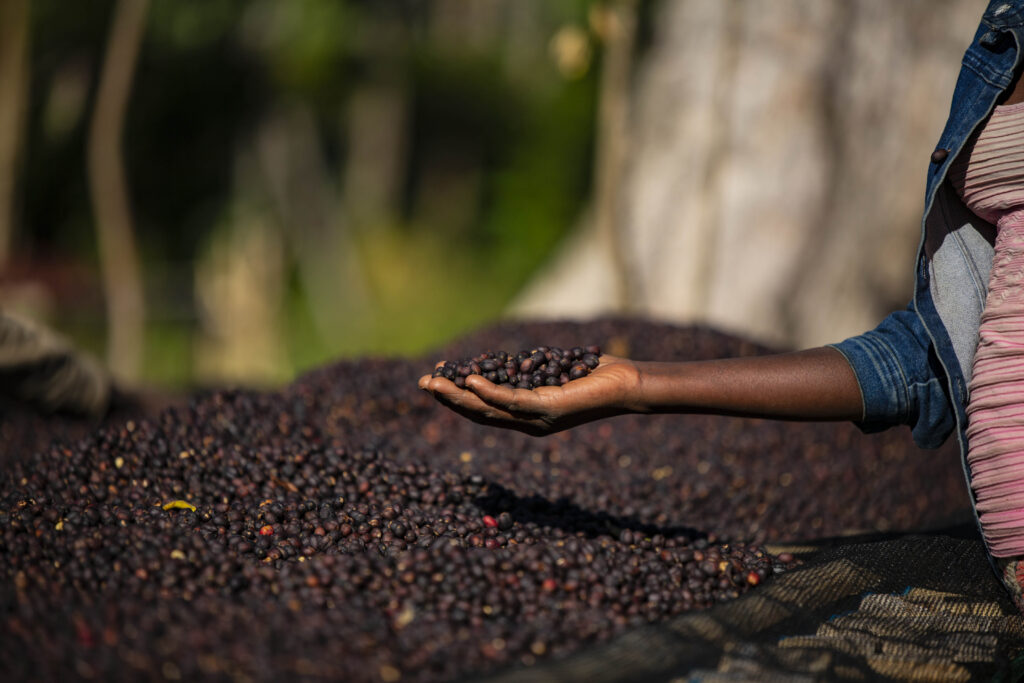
{"points": [[179, 505]]}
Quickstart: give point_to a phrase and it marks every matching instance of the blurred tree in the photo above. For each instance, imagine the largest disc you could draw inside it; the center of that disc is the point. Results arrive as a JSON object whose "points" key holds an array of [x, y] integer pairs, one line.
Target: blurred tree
{"points": [[14, 71], [297, 177], [413, 162], [615, 23], [198, 98], [774, 172], [240, 293], [118, 254], [376, 137]]}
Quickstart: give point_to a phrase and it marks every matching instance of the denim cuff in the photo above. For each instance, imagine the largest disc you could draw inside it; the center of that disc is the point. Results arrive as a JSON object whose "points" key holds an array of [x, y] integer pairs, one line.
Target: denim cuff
{"points": [[883, 387]]}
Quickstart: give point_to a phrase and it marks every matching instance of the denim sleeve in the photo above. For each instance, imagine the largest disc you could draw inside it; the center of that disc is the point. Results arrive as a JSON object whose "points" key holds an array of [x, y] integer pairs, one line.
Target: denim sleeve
{"points": [[901, 379]]}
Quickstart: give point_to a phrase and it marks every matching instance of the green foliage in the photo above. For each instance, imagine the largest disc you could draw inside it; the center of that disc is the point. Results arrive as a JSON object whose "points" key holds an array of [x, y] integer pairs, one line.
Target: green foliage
{"points": [[305, 43], [192, 25], [495, 170], [537, 196]]}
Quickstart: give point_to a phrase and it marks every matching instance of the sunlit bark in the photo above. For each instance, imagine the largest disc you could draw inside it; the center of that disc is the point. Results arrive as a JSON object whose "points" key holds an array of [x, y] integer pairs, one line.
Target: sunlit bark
{"points": [[14, 56], [108, 185], [775, 170]]}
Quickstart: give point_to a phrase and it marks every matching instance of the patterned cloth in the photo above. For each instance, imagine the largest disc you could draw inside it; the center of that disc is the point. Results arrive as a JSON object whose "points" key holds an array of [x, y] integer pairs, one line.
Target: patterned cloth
{"points": [[990, 177], [39, 368]]}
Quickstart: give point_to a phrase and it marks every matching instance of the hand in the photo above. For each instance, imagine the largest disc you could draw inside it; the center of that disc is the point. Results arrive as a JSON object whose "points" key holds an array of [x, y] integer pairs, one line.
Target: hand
{"points": [[608, 390]]}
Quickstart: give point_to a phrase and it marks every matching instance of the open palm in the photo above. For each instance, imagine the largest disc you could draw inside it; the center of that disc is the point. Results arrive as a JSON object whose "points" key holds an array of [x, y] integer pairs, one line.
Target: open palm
{"points": [[604, 392]]}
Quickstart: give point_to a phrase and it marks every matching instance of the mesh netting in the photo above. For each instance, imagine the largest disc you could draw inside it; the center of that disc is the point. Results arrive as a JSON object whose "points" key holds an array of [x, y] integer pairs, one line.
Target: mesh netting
{"points": [[916, 607]]}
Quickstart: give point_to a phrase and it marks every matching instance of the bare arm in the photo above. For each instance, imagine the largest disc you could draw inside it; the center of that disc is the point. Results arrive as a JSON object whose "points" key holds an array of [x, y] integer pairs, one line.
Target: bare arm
{"points": [[817, 384]]}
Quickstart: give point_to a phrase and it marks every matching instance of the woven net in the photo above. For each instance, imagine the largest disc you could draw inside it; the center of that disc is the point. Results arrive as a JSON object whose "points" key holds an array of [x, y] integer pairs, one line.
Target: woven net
{"points": [[914, 607]]}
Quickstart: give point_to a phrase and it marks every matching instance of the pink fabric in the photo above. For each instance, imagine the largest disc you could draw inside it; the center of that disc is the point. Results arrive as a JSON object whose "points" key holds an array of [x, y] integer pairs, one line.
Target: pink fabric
{"points": [[990, 177], [989, 174]]}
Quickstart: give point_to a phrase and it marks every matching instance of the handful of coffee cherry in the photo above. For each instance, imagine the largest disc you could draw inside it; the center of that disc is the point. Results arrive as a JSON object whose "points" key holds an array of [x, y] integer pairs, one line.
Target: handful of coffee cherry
{"points": [[543, 366]]}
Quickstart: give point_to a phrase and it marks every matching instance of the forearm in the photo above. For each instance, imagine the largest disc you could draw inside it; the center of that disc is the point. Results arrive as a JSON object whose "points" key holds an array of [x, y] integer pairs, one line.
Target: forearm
{"points": [[816, 384], [808, 385]]}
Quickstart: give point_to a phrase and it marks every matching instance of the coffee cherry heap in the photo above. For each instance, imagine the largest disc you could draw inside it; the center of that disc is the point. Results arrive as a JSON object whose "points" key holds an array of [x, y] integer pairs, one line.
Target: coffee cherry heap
{"points": [[348, 528], [543, 366], [159, 548]]}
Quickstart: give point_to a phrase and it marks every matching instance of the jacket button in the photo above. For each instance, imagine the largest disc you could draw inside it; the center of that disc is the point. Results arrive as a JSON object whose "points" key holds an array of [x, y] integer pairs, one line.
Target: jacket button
{"points": [[939, 155], [991, 39]]}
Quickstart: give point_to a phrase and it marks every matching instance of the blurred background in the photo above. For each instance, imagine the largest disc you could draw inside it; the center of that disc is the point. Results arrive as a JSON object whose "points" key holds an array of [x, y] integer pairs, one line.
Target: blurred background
{"points": [[209, 191]]}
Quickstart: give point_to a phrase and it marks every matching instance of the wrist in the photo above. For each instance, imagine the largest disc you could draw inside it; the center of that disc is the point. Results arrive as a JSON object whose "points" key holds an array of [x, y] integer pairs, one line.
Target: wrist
{"points": [[632, 396]]}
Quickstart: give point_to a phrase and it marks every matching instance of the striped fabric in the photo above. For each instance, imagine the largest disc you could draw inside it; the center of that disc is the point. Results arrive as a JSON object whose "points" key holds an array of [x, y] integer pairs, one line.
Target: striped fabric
{"points": [[989, 175]]}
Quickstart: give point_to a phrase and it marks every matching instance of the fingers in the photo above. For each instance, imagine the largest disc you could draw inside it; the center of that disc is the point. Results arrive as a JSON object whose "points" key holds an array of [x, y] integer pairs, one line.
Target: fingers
{"points": [[472, 407], [514, 401], [538, 411], [606, 360], [478, 395], [426, 378], [445, 391], [496, 418], [441, 387]]}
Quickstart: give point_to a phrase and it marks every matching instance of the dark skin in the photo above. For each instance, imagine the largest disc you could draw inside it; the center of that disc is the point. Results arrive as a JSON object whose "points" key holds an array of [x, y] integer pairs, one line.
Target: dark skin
{"points": [[816, 384]]}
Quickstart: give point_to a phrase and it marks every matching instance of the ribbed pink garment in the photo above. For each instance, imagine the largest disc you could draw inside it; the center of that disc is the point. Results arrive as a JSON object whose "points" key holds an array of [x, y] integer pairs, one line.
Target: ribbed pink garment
{"points": [[990, 177]]}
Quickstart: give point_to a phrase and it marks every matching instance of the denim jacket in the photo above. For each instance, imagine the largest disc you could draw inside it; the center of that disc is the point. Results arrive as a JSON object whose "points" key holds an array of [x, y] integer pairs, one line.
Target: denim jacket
{"points": [[915, 367]]}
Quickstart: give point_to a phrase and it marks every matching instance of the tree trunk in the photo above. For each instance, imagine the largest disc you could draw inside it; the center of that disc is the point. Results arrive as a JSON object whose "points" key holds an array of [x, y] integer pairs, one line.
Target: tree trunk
{"points": [[119, 259], [617, 23], [776, 165], [14, 55]]}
